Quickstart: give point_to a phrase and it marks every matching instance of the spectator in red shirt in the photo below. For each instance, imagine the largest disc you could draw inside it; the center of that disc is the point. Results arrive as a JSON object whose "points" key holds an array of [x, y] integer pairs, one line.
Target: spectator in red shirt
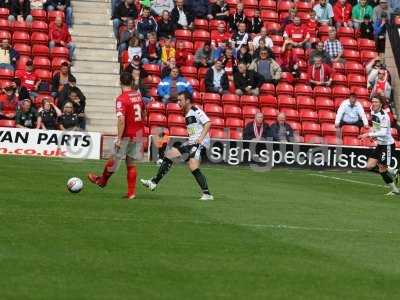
{"points": [[8, 103], [289, 60], [181, 54], [320, 74], [59, 36], [312, 24], [28, 81], [342, 13], [219, 36], [297, 33]]}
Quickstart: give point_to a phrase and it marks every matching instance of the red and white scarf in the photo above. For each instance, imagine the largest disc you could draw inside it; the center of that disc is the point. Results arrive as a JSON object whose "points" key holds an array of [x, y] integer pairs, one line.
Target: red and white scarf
{"points": [[321, 73], [258, 132]]}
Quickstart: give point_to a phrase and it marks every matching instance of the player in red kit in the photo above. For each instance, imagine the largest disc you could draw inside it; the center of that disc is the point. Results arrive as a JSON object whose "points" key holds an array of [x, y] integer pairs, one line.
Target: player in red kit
{"points": [[129, 142]]}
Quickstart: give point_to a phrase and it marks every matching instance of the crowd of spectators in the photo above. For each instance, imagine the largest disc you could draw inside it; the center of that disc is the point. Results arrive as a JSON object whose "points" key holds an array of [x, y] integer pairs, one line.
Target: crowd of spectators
{"points": [[35, 94]]}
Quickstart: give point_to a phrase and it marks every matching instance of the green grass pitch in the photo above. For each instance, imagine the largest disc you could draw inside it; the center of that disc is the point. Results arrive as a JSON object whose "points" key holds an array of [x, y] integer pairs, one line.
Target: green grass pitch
{"points": [[283, 234]]}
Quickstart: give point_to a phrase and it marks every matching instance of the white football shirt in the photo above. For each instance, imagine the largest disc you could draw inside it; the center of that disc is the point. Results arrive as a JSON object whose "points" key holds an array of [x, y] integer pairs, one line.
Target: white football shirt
{"points": [[381, 128], [195, 121]]}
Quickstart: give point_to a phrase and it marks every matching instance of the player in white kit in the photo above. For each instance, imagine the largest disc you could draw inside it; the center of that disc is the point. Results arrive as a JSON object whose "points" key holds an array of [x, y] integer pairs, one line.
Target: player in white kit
{"points": [[198, 127], [384, 151]]}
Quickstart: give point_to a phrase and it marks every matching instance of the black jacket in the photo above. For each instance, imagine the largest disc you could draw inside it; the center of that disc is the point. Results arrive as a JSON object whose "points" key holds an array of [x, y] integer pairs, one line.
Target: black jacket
{"points": [[122, 11], [55, 3], [165, 29], [248, 131], [250, 79], [209, 80], [55, 82], [17, 9], [175, 16], [275, 132]]}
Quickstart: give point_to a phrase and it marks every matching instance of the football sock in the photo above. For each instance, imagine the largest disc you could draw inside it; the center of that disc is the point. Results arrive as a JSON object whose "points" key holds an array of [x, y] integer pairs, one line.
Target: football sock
{"points": [[107, 173], [386, 177], [201, 180], [375, 170], [163, 170], [393, 187], [131, 179]]}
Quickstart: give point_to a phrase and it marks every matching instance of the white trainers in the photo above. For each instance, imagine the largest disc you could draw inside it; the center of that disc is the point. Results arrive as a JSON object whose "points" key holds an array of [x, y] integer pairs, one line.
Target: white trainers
{"points": [[149, 184], [392, 193], [159, 162], [206, 197]]}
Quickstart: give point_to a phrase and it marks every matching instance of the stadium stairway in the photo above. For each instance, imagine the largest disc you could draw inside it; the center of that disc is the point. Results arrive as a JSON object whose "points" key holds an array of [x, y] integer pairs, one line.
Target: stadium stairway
{"points": [[96, 66]]}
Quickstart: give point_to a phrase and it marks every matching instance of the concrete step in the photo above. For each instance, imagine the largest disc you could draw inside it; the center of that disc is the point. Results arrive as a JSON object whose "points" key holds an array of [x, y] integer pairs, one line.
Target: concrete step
{"points": [[96, 55], [93, 31], [105, 115], [93, 40], [98, 46], [90, 6], [105, 80], [92, 18], [100, 90], [95, 67], [111, 130]]}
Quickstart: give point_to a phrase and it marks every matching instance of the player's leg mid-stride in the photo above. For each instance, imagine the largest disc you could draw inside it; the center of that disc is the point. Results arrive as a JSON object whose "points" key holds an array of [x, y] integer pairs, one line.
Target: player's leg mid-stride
{"points": [[198, 125]]}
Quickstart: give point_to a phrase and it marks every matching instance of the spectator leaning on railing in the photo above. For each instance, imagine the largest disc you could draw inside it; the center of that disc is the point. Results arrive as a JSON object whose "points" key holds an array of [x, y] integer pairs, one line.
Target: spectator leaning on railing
{"points": [[351, 112]]}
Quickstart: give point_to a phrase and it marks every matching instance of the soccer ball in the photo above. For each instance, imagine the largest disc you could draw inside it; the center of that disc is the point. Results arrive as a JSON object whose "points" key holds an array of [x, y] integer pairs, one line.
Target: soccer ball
{"points": [[74, 185]]}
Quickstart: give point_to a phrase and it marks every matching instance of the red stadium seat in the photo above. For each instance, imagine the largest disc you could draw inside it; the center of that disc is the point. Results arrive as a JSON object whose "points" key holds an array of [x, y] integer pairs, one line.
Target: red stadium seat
{"points": [[233, 123], [324, 103], [253, 4], [5, 35], [357, 80], [235, 134], [351, 141], [277, 40], [52, 15], [338, 67], [267, 5], [322, 91], [328, 129], [213, 24], [213, 110], [249, 100], [323, 30], [173, 108], [304, 17], [176, 120], [332, 140], [296, 126], [183, 34], [4, 13], [341, 92], [39, 38], [23, 49], [39, 15], [177, 131], [20, 26], [303, 90], [21, 37], [156, 106], [43, 74], [230, 99], [305, 102], [284, 89], [270, 112], [345, 32], [267, 89], [201, 35], [194, 83], [308, 115], [152, 81], [303, 6], [56, 63], [313, 139], [40, 26], [21, 63], [361, 92], [201, 24], [41, 62], [366, 56], [354, 68], [217, 133], [273, 27], [326, 116], [268, 101], [217, 122], [157, 119], [232, 111], [284, 6], [6, 74], [59, 52], [201, 74], [190, 59], [269, 16], [339, 79], [7, 123], [249, 111], [285, 101], [338, 101], [40, 50], [349, 43], [4, 25], [291, 114], [371, 144], [350, 130], [211, 98], [351, 55], [310, 128], [366, 104], [196, 96], [152, 69], [366, 44], [188, 71]]}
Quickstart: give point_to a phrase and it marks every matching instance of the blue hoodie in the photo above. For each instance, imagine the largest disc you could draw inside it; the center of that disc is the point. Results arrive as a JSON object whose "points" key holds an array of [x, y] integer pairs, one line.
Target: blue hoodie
{"points": [[164, 87]]}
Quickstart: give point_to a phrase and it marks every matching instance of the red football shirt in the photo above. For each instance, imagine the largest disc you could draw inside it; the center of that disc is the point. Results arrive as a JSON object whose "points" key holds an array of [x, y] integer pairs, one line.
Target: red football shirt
{"points": [[296, 33], [217, 37], [28, 79], [130, 105]]}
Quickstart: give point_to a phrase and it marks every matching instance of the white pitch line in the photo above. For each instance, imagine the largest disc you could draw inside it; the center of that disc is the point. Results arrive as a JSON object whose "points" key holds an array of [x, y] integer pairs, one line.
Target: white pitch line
{"points": [[347, 180]]}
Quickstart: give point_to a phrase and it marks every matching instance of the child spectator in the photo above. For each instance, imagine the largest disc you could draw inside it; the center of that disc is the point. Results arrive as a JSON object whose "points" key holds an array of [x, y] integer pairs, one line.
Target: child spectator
{"points": [[48, 115], [167, 51], [366, 29], [134, 49]]}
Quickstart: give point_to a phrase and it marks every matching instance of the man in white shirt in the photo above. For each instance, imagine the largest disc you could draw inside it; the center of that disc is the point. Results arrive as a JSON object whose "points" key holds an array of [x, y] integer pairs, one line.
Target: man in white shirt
{"points": [[263, 35], [351, 112]]}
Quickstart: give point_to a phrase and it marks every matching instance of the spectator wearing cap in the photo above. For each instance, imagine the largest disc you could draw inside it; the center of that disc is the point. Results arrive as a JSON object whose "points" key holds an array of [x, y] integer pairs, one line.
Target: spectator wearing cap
{"points": [[20, 10], [125, 10], [8, 102], [61, 5], [135, 48], [237, 17], [167, 51], [8, 56], [59, 36], [267, 69], [146, 23], [151, 50], [359, 11], [182, 16], [60, 79], [165, 26], [216, 80], [319, 51], [172, 85], [48, 115], [379, 9], [219, 36], [256, 129], [158, 7], [219, 10], [342, 14], [281, 131], [26, 115], [367, 29], [351, 112], [241, 37], [297, 33], [324, 12], [263, 35], [128, 32], [381, 86], [204, 56], [68, 119], [333, 46], [320, 74], [246, 81], [28, 81]]}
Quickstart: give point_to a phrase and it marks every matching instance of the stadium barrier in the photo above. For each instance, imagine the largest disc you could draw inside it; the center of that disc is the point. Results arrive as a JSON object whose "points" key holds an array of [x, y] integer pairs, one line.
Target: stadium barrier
{"points": [[267, 154], [50, 143]]}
